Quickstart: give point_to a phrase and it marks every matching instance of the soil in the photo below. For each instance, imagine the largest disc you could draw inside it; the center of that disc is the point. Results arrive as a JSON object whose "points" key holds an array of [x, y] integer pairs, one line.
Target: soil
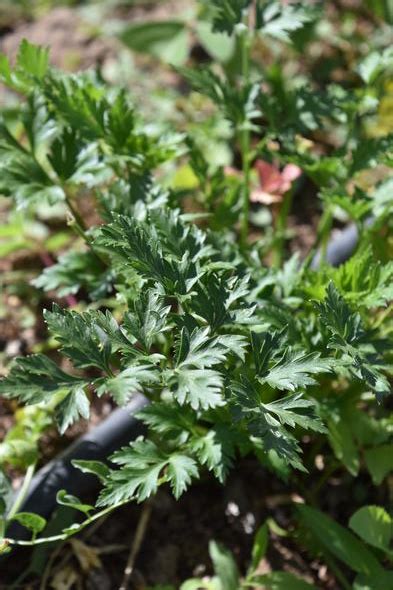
{"points": [[175, 545], [72, 45], [177, 539]]}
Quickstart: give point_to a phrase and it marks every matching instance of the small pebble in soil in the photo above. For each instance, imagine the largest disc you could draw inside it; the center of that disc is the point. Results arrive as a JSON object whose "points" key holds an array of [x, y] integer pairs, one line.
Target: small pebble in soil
{"points": [[248, 522], [319, 462], [232, 509]]}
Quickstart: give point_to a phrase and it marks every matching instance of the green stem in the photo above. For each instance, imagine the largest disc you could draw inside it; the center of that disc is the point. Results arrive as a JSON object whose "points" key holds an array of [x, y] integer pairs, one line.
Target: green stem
{"points": [[22, 492], [384, 314], [323, 233], [80, 226], [246, 188], [326, 229], [79, 223], [64, 536], [136, 545], [281, 226], [245, 139]]}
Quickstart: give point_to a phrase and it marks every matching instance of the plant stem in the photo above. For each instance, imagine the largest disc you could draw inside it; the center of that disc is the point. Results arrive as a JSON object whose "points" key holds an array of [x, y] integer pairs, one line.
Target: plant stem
{"points": [[246, 187], [80, 226], [59, 551], [79, 223], [45, 577], [245, 138], [136, 545], [22, 492], [64, 536], [281, 225], [323, 233]]}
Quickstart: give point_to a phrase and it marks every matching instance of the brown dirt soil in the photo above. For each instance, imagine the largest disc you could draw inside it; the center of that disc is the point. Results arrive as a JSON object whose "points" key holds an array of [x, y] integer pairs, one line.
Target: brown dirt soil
{"points": [[73, 46], [175, 546], [154, 10]]}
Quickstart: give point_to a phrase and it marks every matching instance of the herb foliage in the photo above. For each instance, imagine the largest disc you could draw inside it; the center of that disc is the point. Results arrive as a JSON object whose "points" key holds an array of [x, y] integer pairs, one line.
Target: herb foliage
{"points": [[235, 356]]}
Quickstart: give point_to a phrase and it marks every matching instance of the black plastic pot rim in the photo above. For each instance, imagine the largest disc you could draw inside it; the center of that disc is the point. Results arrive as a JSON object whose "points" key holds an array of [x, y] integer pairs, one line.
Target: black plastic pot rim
{"points": [[115, 431]]}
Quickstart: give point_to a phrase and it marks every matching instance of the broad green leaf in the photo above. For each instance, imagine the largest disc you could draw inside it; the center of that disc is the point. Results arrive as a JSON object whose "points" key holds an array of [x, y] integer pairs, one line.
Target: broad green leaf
{"points": [[259, 548], [367, 429], [379, 461], [369, 68], [280, 581], [199, 584], [219, 45], [31, 521], [168, 40], [339, 541], [93, 467], [343, 444], [382, 581], [65, 499], [374, 525], [225, 566]]}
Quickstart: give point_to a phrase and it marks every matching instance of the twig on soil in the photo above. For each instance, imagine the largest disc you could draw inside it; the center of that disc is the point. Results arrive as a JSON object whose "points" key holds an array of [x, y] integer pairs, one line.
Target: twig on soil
{"points": [[136, 545], [67, 557], [45, 577]]}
